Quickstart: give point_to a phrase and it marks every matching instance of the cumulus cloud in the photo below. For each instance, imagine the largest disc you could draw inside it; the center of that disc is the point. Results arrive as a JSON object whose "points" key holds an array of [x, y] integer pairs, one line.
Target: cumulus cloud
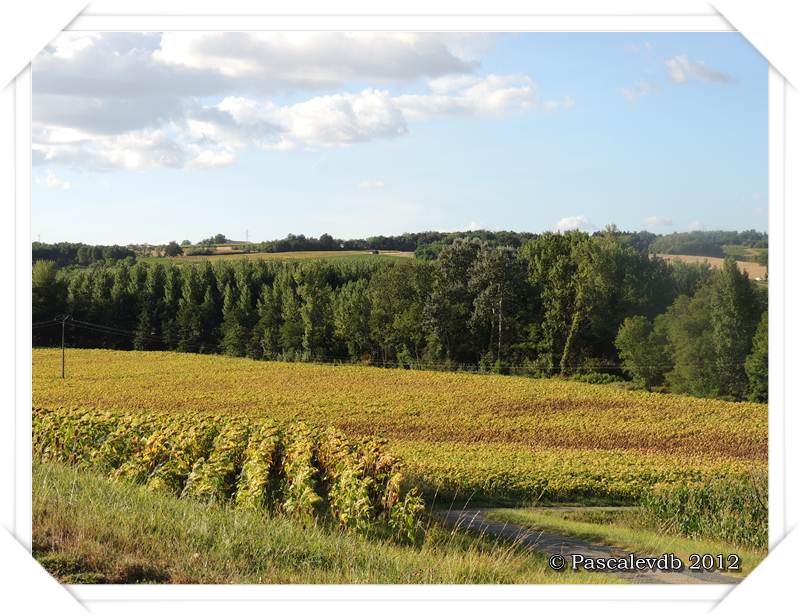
{"points": [[371, 185], [50, 180], [141, 92], [71, 43], [315, 59], [355, 117], [209, 135], [474, 226], [188, 99], [640, 89], [205, 63], [657, 221], [680, 69], [135, 150], [492, 94], [696, 225], [572, 223]]}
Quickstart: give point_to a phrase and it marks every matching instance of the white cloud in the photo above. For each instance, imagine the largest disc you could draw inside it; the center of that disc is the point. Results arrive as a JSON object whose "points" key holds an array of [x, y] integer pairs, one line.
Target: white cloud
{"points": [[640, 89], [348, 118], [136, 150], [371, 185], [209, 136], [50, 180], [450, 83], [138, 64], [657, 221], [572, 223], [681, 68], [69, 44], [474, 226], [493, 94], [119, 86], [696, 225], [143, 100], [314, 59]]}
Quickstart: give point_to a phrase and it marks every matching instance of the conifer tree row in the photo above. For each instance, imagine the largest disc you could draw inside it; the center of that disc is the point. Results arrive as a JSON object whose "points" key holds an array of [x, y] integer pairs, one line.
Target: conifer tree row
{"points": [[560, 304]]}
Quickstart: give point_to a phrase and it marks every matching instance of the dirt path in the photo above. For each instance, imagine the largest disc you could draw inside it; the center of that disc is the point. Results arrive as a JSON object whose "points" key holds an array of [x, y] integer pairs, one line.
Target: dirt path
{"points": [[554, 543]]}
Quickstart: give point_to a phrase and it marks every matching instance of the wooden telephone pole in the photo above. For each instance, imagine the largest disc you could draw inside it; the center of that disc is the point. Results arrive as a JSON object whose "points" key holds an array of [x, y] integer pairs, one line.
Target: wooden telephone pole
{"points": [[63, 318]]}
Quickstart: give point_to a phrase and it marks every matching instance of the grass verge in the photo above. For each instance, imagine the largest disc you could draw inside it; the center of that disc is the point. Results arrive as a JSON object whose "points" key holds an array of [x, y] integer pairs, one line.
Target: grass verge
{"points": [[88, 529]]}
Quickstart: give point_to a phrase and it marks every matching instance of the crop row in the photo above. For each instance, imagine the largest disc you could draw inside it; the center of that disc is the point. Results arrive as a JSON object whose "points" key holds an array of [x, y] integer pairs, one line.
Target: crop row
{"points": [[408, 405], [462, 436], [287, 467]]}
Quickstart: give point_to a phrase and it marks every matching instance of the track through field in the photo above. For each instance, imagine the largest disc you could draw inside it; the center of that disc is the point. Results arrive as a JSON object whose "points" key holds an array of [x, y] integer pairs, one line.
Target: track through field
{"points": [[552, 544]]}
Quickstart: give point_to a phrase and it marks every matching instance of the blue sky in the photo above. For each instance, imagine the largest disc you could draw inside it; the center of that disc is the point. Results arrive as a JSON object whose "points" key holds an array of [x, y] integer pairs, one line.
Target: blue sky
{"points": [[149, 137]]}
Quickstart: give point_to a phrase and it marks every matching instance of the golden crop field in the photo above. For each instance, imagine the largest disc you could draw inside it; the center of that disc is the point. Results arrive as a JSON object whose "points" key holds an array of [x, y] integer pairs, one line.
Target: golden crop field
{"points": [[491, 436], [751, 268]]}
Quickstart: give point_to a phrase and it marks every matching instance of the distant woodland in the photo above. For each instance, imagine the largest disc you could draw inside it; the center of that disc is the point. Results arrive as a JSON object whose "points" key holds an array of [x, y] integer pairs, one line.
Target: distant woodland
{"points": [[597, 307]]}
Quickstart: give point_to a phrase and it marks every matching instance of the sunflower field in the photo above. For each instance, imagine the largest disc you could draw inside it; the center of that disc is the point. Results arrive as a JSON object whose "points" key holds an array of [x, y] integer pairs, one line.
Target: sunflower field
{"points": [[462, 436], [287, 467]]}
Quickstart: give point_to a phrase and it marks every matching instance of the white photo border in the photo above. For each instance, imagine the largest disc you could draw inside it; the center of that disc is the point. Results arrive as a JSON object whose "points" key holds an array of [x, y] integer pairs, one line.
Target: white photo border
{"points": [[485, 23]]}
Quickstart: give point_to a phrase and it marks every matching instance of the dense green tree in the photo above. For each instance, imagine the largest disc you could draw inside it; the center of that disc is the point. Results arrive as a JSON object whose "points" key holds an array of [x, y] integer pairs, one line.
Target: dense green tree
{"points": [[290, 331], [151, 313], [266, 341], [239, 312], [587, 286], [101, 306], [48, 291], [687, 324], [172, 249], [65, 253], [189, 317], [757, 363], [687, 278], [496, 280], [397, 295], [173, 292], [351, 310], [316, 308], [48, 300], [552, 271], [450, 304], [735, 312], [234, 334], [643, 350], [123, 310]]}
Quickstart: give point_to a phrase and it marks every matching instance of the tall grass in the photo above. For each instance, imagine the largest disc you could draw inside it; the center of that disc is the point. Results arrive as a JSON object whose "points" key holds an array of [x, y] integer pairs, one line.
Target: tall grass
{"points": [[732, 510], [89, 529]]}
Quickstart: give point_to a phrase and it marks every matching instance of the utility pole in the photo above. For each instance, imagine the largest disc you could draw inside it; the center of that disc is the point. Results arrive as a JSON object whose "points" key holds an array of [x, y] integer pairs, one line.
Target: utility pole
{"points": [[64, 318]]}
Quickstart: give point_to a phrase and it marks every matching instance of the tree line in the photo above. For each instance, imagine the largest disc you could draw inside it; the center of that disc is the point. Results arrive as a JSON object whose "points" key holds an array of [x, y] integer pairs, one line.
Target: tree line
{"points": [[407, 242], [424, 245], [559, 304], [68, 253], [707, 243]]}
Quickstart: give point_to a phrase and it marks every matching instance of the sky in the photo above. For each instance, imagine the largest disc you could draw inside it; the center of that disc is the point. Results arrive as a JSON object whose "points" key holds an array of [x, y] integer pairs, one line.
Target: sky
{"points": [[152, 137]]}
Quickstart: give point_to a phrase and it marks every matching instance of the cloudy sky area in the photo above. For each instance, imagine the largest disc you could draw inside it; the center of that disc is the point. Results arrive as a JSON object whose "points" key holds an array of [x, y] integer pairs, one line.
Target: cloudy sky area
{"points": [[153, 137]]}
